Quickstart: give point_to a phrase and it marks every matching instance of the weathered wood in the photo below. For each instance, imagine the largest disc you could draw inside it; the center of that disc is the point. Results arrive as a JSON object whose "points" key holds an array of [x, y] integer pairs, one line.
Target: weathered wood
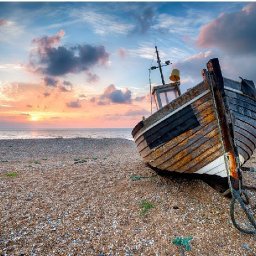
{"points": [[184, 149], [172, 127], [247, 110], [242, 138], [242, 151], [185, 136], [171, 148], [190, 153], [204, 117], [231, 84], [198, 107], [248, 135], [244, 121], [137, 128], [186, 97], [200, 104], [205, 159], [188, 163], [240, 97]]}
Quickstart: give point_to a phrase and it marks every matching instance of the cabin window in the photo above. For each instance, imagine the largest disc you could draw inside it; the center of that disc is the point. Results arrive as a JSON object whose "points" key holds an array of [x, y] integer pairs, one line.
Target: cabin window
{"points": [[171, 95], [164, 94], [156, 101], [163, 99]]}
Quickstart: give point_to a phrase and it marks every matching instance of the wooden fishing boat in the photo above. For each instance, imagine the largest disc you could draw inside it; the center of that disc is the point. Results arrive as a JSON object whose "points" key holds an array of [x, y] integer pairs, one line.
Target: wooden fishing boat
{"points": [[185, 134], [208, 130]]}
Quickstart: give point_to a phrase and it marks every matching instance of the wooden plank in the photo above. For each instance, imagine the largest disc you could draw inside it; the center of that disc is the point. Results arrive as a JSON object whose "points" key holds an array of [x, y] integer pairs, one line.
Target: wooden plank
{"points": [[207, 157], [182, 141], [205, 117], [173, 126], [137, 128], [244, 121], [240, 137], [206, 124], [245, 147], [186, 97], [177, 118], [241, 97], [243, 103], [200, 110], [191, 153], [200, 116], [200, 104], [246, 110], [232, 84], [247, 134], [187, 147], [242, 151]]}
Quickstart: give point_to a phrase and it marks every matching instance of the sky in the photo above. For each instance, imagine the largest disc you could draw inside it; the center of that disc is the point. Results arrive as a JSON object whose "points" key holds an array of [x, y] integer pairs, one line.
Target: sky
{"points": [[85, 64]]}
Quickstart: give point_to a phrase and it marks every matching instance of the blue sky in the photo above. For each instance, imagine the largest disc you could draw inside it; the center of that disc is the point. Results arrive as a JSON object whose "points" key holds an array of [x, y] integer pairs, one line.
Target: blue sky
{"points": [[100, 52]]}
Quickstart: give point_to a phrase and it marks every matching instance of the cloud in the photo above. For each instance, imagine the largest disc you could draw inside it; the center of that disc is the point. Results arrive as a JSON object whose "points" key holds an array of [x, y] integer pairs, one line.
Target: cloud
{"points": [[103, 24], [144, 20], [115, 95], [46, 94], [66, 86], [51, 59], [82, 96], [64, 89], [92, 78], [232, 32], [191, 67], [74, 104], [25, 114], [122, 53], [50, 81], [3, 22], [139, 98], [46, 42], [67, 83], [141, 112], [12, 66], [10, 31], [146, 51], [112, 95]]}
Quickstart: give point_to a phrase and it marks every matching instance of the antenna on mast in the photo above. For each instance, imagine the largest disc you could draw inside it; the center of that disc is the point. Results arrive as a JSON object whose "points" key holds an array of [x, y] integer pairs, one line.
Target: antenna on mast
{"points": [[160, 66]]}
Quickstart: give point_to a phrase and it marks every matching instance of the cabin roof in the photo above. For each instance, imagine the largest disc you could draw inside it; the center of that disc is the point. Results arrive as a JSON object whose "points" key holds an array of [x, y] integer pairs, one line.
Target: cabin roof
{"points": [[164, 87]]}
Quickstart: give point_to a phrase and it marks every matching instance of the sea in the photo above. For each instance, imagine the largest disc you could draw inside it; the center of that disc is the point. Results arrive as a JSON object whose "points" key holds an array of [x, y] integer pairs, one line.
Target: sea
{"points": [[95, 133]]}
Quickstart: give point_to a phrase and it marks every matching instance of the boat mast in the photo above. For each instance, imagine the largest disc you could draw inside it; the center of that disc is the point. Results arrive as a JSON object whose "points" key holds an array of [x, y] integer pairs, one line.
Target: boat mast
{"points": [[159, 65]]}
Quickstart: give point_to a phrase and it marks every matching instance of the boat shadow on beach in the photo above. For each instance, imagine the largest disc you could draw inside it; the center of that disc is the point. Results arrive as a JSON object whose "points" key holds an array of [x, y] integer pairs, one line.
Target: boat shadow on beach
{"points": [[216, 182]]}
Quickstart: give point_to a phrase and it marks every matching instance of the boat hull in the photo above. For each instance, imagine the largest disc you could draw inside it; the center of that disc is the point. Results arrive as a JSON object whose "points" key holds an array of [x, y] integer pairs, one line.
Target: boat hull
{"points": [[243, 111], [185, 136]]}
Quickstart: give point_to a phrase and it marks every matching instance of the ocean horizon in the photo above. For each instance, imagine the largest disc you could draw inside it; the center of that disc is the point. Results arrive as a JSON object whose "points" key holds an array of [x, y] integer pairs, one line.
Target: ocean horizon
{"points": [[67, 133]]}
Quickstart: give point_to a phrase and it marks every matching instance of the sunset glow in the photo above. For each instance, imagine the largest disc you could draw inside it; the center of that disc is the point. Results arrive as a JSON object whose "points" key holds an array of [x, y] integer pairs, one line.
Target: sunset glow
{"points": [[86, 64]]}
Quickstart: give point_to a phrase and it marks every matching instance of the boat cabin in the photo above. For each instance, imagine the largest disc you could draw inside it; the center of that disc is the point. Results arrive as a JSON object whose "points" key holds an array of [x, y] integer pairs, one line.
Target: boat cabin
{"points": [[164, 94]]}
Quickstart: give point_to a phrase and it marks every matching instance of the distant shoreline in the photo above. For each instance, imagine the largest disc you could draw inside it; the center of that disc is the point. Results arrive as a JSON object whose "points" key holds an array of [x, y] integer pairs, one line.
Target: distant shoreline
{"points": [[61, 138], [67, 133]]}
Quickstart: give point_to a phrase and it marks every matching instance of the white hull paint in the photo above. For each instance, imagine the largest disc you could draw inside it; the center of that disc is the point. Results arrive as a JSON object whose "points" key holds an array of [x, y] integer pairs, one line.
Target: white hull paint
{"points": [[241, 158], [216, 167]]}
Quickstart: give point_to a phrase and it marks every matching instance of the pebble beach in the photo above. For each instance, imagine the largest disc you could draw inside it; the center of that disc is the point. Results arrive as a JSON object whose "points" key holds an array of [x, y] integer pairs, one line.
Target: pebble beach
{"points": [[96, 197]]}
